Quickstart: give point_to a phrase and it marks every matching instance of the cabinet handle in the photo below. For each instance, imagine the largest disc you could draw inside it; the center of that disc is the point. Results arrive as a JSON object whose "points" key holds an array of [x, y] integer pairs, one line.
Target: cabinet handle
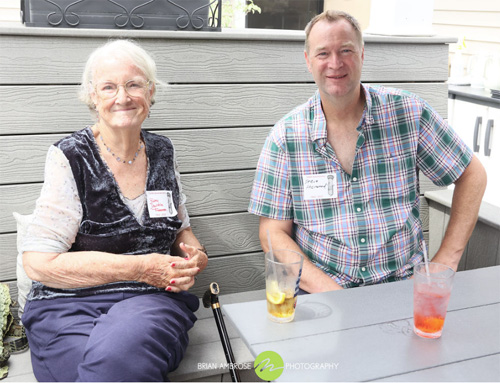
{"points": [[487, 138], [475, 144]]}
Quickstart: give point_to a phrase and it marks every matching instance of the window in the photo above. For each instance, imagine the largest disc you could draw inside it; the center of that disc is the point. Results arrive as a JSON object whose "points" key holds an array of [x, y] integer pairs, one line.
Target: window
{"points": [[284, 14]]}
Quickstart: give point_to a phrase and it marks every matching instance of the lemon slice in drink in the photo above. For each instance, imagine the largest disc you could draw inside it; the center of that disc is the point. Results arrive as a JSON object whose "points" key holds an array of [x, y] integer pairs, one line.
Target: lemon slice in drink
{"points": [[274, 295], [276, 298]]}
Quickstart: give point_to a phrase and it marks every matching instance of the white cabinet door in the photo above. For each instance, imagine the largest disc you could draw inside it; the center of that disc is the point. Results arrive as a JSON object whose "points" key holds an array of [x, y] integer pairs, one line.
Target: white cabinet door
{"points": [[469, 121], [490, 155], [479, 127]]}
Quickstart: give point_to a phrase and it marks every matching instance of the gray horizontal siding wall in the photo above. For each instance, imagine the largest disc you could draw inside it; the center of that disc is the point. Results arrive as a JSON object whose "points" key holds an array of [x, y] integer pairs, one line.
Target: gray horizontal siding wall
{"points": [[222, 94]]}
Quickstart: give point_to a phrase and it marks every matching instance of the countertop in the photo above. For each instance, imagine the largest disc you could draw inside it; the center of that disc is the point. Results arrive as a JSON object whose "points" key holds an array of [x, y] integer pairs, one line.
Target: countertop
{"points": [[475, 95], [488, 213]]}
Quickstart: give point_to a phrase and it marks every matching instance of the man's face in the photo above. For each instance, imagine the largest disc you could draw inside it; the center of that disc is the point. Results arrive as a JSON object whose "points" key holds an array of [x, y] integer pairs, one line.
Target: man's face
{"points": [[335, 59]]}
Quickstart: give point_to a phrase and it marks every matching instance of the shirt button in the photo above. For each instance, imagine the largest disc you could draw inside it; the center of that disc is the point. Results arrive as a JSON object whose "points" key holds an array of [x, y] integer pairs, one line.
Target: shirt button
{"points": [[363, 240], [358, 209], [363, 269], [354, 179]]}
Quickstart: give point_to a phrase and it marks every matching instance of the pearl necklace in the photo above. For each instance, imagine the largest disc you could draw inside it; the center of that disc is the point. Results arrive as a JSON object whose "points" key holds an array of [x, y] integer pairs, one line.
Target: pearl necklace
{"points": [[119, 159]]}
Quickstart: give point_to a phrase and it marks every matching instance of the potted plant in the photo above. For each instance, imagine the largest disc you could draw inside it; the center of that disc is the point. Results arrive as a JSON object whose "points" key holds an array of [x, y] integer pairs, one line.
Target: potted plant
{"points": [[234, 12]]}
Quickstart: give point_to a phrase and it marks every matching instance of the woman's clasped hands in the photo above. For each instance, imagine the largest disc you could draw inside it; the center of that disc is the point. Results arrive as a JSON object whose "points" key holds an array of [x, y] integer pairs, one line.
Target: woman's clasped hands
{"points": [[172, 273]]}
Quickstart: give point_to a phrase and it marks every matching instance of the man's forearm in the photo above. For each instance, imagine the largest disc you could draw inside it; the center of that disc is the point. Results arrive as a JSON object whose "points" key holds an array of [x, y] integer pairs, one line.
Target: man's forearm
{"points": [[313, 279], [467, 196]]}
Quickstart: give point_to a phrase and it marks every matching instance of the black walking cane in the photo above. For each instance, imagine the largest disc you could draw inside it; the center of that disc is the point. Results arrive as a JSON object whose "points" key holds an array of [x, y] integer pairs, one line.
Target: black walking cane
{"points": [[210, 298]]}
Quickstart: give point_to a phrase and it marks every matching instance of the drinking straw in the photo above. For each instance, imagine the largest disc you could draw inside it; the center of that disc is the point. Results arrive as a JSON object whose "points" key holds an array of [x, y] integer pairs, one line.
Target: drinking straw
{"points": [[426, 260], [269, 242], [272, 255]]}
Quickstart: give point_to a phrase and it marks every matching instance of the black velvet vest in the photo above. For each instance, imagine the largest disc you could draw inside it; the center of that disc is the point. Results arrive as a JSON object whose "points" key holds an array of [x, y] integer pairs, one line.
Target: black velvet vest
{"points": [[108, 225]]}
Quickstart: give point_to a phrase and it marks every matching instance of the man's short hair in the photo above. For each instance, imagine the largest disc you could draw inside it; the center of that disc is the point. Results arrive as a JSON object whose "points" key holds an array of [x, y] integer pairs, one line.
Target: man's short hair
{"points": [[332, 16]]}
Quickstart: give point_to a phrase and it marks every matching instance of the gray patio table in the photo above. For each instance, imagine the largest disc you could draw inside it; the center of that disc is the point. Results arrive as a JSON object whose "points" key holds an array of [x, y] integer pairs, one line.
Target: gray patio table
{"points": [[366, 333]]}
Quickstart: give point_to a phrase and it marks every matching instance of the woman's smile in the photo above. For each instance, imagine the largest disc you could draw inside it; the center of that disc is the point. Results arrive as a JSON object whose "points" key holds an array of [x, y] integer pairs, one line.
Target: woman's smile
{"points": [[123, 110]]}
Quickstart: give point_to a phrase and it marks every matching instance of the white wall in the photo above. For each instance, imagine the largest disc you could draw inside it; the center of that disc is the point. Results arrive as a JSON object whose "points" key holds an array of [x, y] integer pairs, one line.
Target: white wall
{"points": [[477, 20], [9, 12], [360, 9]]}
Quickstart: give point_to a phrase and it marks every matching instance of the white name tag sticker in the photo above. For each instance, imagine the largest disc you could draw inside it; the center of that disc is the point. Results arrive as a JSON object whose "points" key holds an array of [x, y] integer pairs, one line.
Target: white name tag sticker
{"points": [[320, 186], [160, 204]]}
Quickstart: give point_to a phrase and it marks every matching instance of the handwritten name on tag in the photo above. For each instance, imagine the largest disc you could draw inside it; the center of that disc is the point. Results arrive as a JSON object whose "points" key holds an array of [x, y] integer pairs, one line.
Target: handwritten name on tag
{"points": [[160, 204], [320, 186]]}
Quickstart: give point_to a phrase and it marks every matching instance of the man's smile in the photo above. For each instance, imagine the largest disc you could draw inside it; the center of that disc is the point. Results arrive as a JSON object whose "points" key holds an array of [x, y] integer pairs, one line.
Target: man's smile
{"points": [[337, 77]]}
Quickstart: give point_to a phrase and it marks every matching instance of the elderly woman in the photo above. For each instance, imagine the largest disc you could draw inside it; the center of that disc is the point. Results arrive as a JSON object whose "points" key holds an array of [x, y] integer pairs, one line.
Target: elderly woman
{"points": [[110, 249]]}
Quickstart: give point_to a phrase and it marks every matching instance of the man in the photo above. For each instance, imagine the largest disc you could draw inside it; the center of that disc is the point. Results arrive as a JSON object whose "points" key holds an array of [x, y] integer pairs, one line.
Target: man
{"points": [[338, 176]]}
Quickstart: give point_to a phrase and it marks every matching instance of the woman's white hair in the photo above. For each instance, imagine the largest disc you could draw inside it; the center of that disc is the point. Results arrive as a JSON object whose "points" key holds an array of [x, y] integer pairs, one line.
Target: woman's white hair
{"points": [[126, 49]]}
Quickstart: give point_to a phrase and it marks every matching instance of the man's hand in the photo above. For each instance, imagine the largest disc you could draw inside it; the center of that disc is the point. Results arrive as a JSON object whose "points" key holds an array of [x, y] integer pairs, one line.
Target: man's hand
{"points": [[313, 279]]}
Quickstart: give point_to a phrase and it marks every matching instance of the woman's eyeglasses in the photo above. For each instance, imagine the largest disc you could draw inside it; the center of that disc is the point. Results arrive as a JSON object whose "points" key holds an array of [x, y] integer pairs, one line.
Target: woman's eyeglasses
{"points": [[134, 88]]}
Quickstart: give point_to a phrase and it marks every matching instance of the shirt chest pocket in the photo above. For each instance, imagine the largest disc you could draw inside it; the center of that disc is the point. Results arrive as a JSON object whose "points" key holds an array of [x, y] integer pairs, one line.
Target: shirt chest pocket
{"points": [[395, 177]]}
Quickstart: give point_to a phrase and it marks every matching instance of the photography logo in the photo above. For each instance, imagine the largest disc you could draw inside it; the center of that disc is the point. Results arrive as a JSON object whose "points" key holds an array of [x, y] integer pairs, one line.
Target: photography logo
{"points": [[269, 365]]}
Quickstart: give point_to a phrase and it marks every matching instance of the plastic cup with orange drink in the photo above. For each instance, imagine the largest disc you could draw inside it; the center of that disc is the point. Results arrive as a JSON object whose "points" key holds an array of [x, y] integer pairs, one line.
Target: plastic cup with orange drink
{"points": [[431, 294]]}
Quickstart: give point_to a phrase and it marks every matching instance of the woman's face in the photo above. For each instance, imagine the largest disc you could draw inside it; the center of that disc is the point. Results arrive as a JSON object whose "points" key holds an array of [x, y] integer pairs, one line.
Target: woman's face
{"points": [[122, 111]]}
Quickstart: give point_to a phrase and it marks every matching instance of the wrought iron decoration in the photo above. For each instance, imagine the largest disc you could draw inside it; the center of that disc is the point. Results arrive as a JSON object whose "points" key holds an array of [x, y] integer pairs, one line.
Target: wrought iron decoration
{"points": [[123, 17]]}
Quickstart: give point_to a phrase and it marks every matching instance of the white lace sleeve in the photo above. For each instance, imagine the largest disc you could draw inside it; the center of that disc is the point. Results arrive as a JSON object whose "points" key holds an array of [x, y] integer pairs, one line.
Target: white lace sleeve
{"points": [[181, 211], [58, 210]]}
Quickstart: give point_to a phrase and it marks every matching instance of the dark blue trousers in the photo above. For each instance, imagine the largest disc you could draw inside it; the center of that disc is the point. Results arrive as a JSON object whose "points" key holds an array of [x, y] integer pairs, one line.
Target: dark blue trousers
{"points": [[109, 337]]}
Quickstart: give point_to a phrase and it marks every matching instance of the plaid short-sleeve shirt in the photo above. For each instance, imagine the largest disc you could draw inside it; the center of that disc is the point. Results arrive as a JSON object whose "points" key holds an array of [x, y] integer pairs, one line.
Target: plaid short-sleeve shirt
{"points": [[370, 230]]}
